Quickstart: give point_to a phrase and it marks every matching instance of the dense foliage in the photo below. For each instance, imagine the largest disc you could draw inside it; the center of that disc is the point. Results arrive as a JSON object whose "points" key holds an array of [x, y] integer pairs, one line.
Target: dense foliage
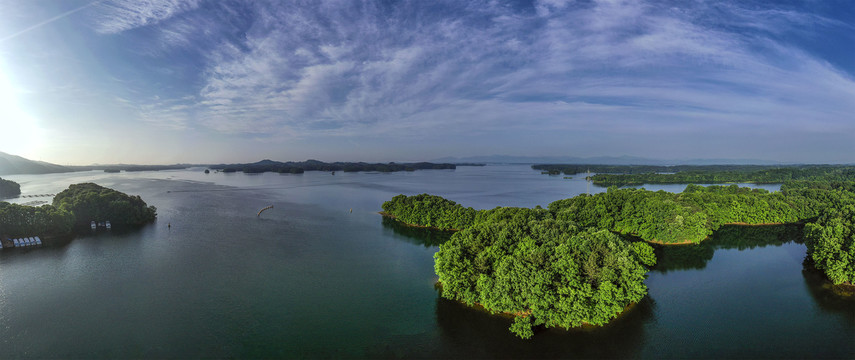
{"points": [[686, 217], [18, 220], [426, 237], [773, 175], [831, 239], [544, 271], [9, 189], [429, 210], [315, 165], [696, 256], [572, 169], [566, 265], [92, 202]]}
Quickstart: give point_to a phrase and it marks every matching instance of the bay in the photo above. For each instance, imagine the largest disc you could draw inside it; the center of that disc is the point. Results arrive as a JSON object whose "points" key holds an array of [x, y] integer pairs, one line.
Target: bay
{"points": [[322, 275]]}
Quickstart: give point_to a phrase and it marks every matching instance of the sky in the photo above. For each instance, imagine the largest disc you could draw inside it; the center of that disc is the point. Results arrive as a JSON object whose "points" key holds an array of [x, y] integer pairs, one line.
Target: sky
{"points": [[223, 81]]}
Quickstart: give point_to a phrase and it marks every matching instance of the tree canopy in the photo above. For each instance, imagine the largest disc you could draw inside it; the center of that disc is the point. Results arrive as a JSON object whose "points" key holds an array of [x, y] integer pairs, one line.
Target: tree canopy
{"points": [[19, 220], [543, 271], [429, 210], [768, 175], [92, 202], [566, 265], [9, 189]]}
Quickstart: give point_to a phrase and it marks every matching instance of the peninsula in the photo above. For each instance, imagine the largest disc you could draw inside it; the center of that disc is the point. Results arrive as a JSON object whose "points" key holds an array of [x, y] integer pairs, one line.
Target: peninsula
{"points": [[580, 262]]}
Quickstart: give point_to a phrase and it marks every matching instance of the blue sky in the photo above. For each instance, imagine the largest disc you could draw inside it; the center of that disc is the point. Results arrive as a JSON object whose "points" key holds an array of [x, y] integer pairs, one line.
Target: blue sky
{"points": [[165, 81]]}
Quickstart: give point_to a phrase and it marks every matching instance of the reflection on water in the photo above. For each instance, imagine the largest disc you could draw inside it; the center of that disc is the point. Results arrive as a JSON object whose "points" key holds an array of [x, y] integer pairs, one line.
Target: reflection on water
{"points": [[311, 279], [830, 298], [417, 235], [741, 237], [471, 332]]}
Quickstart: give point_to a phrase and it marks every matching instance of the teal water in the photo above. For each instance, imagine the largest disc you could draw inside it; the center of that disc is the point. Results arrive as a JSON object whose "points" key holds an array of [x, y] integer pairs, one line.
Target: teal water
{"points": [[311, 279]]}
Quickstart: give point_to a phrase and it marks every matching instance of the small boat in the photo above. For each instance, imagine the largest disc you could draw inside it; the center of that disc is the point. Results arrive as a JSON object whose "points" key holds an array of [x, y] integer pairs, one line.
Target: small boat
{"points": [[38, 241]]}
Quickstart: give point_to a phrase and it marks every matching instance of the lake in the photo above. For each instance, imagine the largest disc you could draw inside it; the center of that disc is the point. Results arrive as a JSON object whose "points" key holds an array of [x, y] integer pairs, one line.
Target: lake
{"points": [[322, 275]]}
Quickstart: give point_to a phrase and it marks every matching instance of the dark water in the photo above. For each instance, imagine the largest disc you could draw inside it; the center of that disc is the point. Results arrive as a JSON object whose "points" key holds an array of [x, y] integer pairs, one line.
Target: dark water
{"points": [[311, 279]]}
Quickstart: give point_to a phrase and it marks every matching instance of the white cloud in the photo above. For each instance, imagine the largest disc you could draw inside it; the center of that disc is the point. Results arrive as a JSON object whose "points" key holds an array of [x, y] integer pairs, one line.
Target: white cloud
{"points": [[115, 16], [356, 69]]}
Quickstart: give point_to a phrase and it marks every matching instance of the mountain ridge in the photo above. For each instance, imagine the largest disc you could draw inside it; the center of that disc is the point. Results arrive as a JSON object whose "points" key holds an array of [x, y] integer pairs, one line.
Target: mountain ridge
{"points": [[601, 160], [15, 165]]}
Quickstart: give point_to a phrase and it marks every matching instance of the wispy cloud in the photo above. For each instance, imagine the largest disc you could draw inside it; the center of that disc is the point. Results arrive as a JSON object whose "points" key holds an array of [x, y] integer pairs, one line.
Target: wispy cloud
{"points": [[355, 68], [116, 16]]}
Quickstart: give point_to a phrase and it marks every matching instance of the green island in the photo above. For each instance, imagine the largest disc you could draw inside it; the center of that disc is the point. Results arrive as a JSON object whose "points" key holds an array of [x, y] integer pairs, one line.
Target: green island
{"points": [[630, 175], [299, 167], [583, 260], [73, 209], [9, 189]]}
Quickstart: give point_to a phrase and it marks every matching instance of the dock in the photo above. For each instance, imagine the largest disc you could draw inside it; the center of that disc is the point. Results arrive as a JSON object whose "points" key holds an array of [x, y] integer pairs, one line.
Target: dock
{"points": [[21, 242]]}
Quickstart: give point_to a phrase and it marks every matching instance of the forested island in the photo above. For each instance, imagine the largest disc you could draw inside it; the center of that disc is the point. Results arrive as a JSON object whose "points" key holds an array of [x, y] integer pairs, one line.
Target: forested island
{"points": [[624, 175], [573, 169], [9, 189], [580, 260], [74, 208], [315, 165]]}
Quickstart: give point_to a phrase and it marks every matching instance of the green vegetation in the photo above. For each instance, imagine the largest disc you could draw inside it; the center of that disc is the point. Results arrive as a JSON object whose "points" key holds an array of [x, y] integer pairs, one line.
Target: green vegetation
{"points": [[687, 217], [571, 169], [774, 175], [76, 206], [543, 271], [90, 202], [315, 165], [18, 220], [696, 256], [566, 265], [9, 189], [831, 239], [627, 175], [426, 237], [429, 210]]}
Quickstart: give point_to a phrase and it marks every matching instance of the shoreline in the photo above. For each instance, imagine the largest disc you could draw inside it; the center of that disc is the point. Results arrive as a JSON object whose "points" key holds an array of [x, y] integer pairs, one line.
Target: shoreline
{"points": [[508, 315], [657, 242], [388, 215]]}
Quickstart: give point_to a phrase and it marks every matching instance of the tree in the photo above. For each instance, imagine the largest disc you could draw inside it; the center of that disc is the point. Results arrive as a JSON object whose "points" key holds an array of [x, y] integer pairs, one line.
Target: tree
{"points": [[9, 189]]}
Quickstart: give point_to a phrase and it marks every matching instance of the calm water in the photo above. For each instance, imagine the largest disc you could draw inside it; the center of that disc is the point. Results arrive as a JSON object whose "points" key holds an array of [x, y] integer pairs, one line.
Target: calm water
{"points": [[310, 278]]}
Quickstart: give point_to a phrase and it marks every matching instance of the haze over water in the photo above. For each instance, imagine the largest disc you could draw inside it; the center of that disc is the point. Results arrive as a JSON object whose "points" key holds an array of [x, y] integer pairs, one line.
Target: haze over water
{"points": [[310, 278]]}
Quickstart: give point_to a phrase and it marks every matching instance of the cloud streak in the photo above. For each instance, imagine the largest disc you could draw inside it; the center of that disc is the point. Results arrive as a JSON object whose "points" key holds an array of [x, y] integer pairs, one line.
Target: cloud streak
{"points": [[485, 71], [355, 68], [46, 22], [116, 16]]}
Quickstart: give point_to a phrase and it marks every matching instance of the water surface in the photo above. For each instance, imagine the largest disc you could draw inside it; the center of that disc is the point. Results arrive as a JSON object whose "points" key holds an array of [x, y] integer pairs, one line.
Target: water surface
{"points": [[322, 275]]}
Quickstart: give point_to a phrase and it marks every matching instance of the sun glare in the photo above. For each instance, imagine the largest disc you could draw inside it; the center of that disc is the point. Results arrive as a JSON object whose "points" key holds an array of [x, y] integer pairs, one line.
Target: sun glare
{"points": [[19, 132]]}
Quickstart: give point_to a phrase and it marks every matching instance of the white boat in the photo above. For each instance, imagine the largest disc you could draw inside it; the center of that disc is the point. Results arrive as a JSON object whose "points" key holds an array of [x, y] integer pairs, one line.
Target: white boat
{"points": [[38, 241], [17, 243]]}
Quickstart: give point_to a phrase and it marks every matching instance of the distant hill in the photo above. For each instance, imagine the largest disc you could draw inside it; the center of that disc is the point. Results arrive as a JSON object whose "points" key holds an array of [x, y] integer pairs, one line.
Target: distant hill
{"points": [[599, 160], [13, 164], [315, 165]]}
